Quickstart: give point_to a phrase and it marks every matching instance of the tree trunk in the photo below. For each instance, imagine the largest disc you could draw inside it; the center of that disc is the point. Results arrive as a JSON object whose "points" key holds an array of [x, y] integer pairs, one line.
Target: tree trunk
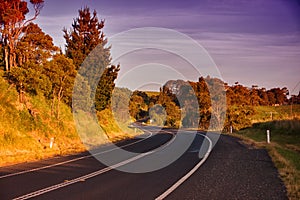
{"points": [[11, 56], [57, 109], [52, 104], [10, 61], [59, 97], [6, 59], [14, 59]]}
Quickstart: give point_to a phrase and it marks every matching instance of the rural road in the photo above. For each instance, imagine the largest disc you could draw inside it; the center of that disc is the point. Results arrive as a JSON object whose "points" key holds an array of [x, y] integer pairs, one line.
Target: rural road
{"points": [[230, 171]]}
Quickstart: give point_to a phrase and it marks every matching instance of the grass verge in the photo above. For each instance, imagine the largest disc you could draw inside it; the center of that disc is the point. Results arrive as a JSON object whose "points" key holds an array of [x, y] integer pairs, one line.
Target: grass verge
{"points": [[26, 137], [284, 149]]}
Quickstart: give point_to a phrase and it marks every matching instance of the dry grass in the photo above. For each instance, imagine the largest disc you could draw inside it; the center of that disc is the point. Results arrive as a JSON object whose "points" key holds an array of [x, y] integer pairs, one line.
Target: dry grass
{"points": [[288, 172], [283, 149], [24, 137], [152, 93]]}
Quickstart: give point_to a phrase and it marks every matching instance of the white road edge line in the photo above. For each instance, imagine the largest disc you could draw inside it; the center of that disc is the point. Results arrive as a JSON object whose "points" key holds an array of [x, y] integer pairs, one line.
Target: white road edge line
{"points": [[93, 174], [72, 160], [190, 173]]}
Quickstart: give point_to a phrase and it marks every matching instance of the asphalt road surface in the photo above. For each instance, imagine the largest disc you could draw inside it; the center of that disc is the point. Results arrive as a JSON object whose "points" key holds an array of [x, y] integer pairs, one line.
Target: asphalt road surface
{"points": [[230, 170]]}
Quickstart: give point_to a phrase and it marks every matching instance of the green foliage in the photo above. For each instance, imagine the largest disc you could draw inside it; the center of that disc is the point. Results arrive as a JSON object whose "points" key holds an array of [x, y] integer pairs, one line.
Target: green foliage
{"points": [[238, 117], [86, 38], [34, 46], [81, 95], [40, 108], [61, 72], [8, 94], [295, 99], [12, 22], [170, 103], [215, 102], [54, 79], [241, 95], [86, 33], [120, 104], [138, 105], [30, 78], [218, 101], [241, 103], [105, 87], [189, 104], [238, 95]]}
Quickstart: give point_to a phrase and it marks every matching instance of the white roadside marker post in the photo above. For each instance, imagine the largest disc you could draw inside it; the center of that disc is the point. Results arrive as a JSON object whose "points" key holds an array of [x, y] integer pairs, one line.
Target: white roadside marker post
{"points": [[268, 136], [51, 143], [230, 129]]}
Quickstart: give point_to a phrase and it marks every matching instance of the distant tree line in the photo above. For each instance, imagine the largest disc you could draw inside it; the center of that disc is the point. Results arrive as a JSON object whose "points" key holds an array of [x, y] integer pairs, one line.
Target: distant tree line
{"points": [[33, 64], [176, 97], [295, 99]]}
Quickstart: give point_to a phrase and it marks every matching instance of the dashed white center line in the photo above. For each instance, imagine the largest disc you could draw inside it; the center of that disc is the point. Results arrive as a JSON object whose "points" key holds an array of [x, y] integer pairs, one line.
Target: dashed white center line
{"points": [[72, 160], [91, 175]]}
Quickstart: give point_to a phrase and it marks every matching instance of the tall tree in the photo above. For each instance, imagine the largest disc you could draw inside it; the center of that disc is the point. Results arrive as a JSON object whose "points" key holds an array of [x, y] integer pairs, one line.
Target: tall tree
{"points": [[254, 96], [12, 23], [87, 38], [86, 33], [295, 99], [218, 101], [170, 103], [263, 97], [238, 95], [61, 72], [238, 116], [34, 46]]}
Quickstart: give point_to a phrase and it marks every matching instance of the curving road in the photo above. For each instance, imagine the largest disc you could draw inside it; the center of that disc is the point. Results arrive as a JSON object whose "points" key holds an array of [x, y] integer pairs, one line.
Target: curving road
{"points": [[230, 171]]}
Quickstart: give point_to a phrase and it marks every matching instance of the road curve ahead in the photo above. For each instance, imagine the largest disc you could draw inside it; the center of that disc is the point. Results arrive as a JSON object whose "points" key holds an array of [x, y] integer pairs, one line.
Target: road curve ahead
{"points": [[230, 171]]}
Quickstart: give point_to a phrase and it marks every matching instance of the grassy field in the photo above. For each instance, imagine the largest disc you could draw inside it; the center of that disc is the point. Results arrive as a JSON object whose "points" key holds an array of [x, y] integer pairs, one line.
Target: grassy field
{"points": [[151, 93], [269, 113], [284, 147]]}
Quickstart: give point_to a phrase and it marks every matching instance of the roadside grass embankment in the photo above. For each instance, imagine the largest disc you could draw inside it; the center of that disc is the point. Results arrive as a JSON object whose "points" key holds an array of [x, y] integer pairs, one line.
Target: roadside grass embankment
{"points": [[26, 129], [284, 147], [25, 136]]}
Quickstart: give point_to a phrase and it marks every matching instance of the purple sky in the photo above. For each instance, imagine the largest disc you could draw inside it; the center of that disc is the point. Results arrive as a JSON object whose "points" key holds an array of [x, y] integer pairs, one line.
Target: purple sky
{"points": [[253, 42]]}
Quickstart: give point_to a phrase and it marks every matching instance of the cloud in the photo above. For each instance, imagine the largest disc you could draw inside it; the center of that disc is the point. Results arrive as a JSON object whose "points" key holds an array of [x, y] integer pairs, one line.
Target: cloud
{"points": [[251, 41], [266, 60]]}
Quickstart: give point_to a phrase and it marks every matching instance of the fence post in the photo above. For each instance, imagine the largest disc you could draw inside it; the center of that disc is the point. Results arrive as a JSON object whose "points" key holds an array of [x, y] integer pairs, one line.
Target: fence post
{"points": [[268, 136], [51, 143]]}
